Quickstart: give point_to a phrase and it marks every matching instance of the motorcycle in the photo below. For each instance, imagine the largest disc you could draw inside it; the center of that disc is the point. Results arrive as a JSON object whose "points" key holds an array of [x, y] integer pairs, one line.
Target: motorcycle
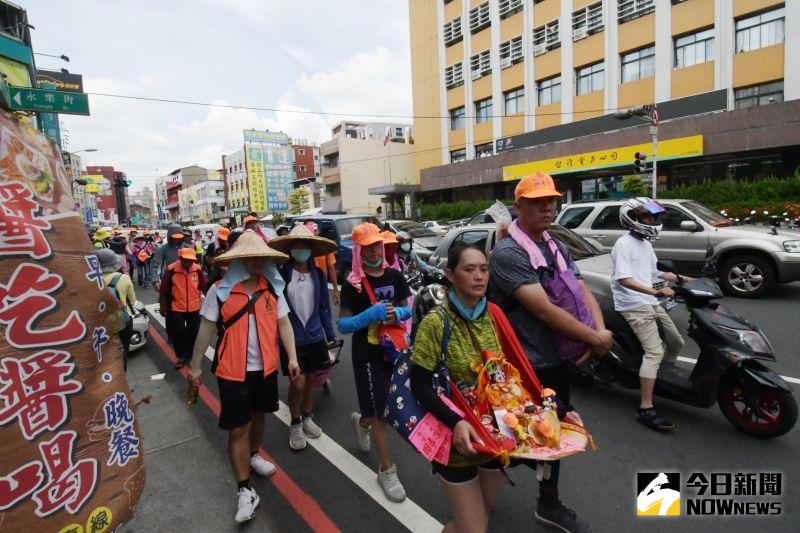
{"points": [[728, 371], [141, 326]]}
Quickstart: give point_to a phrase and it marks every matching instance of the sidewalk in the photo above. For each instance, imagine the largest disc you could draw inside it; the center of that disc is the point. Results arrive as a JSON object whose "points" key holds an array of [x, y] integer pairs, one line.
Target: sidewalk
{"points": [[189, 482]]}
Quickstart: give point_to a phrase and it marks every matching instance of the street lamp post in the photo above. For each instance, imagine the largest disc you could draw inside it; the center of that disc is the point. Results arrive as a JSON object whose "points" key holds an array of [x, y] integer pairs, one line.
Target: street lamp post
{"points": [[650, 114]]}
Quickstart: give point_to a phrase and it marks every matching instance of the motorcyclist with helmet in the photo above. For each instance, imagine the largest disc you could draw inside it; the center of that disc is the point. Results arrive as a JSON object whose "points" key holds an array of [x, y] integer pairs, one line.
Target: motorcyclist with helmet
{"points": [[409, 260], [633, 264]]}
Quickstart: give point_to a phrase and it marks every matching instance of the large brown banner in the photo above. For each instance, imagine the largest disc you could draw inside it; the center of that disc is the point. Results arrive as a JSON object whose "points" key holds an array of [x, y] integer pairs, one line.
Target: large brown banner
{"points": [[71, 458]]}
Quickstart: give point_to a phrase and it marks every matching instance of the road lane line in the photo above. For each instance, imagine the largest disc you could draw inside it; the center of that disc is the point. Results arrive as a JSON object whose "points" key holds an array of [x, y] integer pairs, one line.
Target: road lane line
{"points": [[408, 513], [303, 504]]}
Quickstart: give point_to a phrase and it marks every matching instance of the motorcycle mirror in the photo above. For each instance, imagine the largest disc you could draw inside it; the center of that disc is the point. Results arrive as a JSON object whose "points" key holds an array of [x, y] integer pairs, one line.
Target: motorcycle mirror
{"points": [[666, 266]]}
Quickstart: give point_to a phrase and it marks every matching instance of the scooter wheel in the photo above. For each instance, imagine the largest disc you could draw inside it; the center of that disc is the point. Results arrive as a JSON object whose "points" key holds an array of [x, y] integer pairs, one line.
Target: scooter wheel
{"points": [[778, 404]]}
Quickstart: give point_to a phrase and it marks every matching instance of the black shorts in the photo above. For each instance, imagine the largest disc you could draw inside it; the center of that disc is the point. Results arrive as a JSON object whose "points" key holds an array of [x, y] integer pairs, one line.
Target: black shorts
{"points": [[372, 374], [311, 357], [239, 399], [457, 475]]}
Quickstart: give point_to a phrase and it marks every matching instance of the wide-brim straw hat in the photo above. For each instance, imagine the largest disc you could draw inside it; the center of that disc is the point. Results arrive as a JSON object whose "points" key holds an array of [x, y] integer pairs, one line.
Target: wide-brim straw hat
{"points": [[249, 245], [319, 245]]}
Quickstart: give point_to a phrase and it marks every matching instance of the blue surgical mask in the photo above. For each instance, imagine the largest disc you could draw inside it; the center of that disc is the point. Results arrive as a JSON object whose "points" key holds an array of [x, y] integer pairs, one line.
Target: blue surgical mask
{"points": [[301, 255], [469, 314], [406, 247]]}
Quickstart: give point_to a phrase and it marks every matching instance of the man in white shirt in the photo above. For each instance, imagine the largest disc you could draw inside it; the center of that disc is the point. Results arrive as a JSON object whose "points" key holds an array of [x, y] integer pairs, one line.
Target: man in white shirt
{"points": [[633, 262]]}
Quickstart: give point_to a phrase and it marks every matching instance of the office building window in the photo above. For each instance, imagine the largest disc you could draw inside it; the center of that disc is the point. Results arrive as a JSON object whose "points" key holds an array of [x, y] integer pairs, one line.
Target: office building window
{"points": [[483, 110], [545, 38], [483, 150], [458, 155], [511, 52], [549, 91], [694, 49], [631, 9], [509, 7], [453, 75], [479, 18], [452, 32], [514, 101], [590, 78], [638, 64], [764, 29], [768, 93], [587, 20], [457, 118], [480, 64]]}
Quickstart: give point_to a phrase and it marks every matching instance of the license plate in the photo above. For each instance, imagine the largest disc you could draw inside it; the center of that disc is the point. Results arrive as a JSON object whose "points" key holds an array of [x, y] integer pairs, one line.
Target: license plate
{"points": [[670, 304]]}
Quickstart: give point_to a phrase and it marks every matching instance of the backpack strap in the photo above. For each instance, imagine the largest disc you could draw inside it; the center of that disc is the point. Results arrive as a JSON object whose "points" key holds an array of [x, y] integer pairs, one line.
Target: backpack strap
{"points": [[441, 375], [224, 325], [367, 286]]}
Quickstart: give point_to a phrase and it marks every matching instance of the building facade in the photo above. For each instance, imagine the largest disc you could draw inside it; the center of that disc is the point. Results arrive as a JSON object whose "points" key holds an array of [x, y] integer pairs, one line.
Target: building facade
{"points": [[199, 203], [111, 200], [236, 185], [308, 170], [501, 76], [366, 166], [179, 179]]}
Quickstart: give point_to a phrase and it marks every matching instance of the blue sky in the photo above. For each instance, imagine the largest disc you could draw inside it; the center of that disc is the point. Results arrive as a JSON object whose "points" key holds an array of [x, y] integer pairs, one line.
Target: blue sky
{"points": [[349, 56]]}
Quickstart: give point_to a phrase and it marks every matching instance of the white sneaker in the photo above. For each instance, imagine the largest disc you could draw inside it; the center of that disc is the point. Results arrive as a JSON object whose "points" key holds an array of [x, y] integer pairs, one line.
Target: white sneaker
{"points": [[311, 429], [297, 439], [247, 502], [362, 433], [391, 485], [261, 466]]}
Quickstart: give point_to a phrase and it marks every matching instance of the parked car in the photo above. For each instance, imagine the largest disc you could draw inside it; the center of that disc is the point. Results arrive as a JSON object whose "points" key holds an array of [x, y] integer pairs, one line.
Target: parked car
{"points": [[458, 223], [594, 263], [425, 239], [439, 227], [482, 218], [751, 260], [339, 229]]}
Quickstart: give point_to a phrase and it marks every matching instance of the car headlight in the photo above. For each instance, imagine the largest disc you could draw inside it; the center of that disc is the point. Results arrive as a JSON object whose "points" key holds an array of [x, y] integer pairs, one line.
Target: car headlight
{"points": [[792, 246], [754, 339], [439, 294]]}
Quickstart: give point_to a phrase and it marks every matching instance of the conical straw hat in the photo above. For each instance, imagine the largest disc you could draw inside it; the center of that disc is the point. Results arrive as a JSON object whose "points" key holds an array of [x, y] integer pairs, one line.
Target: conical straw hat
{"points": [[250, 244], [319, 245]]}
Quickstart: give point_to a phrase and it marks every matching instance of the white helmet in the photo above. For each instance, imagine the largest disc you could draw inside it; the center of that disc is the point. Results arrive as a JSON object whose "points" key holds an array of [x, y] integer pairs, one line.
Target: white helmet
{"points": [[631, 210]]}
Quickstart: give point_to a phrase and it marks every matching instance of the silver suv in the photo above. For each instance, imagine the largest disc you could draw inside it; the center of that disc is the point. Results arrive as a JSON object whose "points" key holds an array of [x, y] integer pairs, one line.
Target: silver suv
{"points": [[751, 259]]}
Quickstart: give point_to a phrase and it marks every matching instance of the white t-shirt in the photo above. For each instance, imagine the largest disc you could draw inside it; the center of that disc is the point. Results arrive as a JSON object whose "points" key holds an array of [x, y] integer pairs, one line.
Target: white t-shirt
{"points": [[301, 293], [210, 311], [632, 258]]}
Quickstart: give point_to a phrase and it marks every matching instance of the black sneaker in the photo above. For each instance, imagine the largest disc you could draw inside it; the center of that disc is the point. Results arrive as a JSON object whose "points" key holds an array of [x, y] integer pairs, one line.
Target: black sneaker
{"points": [[560, 517], [651, 418]]}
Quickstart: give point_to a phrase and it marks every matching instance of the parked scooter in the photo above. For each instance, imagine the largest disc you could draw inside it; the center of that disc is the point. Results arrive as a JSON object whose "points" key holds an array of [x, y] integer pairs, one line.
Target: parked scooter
{"points": [[728, 370], [141, 325]]}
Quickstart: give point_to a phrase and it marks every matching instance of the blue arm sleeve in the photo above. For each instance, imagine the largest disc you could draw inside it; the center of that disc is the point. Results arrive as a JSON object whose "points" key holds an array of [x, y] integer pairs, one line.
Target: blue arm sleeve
{"points": [[350, 324], [423, 266], [403, 313]]}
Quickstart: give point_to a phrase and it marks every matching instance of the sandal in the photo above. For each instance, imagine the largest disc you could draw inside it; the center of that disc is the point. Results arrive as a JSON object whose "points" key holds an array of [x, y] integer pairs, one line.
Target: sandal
{"points": [[651, 418], [180, 363]]}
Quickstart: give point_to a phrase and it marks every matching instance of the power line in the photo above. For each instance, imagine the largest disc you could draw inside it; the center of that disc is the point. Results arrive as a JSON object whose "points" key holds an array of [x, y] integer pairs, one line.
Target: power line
{"points": [[331, 113]]}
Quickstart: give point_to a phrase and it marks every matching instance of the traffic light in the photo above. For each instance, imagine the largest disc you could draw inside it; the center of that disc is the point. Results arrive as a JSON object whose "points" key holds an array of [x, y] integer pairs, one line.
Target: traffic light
{"points": [[640, 162], [128, 183]]}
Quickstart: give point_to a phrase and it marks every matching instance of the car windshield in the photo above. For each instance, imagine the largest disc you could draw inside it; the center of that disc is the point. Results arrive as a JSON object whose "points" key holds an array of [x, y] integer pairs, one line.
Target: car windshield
{"points": [[578, 247], [415, 229], [344, 226], [707, 215]]}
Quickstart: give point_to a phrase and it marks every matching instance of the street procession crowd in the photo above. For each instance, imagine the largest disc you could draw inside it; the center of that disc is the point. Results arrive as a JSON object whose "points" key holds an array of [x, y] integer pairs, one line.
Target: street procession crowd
{"points": [[266, 298]]}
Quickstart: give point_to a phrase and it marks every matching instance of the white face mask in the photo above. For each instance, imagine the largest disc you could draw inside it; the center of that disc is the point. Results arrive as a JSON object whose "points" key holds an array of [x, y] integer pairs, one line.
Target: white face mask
{"points": [[406, 247]]}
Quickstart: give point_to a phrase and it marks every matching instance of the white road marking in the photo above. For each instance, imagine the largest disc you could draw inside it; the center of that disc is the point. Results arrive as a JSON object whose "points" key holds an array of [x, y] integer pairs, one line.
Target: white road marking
{"points": [[693, 361], [408, 513]]}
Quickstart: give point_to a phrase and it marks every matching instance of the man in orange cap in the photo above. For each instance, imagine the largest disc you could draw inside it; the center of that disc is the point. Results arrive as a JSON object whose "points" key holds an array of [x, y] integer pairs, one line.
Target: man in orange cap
{"points": [[180, 299], [373, 294], [529, 270], [216, 247], [165, 255]]}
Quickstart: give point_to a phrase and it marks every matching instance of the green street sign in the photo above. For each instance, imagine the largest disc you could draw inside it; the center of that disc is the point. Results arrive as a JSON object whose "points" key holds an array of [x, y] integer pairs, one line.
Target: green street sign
{"points": [[27, 99]]}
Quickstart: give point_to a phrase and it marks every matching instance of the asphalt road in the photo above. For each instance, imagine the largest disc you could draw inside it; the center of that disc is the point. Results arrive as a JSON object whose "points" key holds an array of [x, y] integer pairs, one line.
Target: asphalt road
{"points": [[599, 485]]}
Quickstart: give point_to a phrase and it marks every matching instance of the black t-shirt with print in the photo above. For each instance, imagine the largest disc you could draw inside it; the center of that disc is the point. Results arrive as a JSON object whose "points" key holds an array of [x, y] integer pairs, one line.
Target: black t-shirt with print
{"points": [[389, 287]]}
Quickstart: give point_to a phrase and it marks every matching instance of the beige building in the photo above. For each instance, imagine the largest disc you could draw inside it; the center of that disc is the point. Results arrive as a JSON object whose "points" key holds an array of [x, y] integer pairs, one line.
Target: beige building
{"points": [[199, 202], [366, 165]]}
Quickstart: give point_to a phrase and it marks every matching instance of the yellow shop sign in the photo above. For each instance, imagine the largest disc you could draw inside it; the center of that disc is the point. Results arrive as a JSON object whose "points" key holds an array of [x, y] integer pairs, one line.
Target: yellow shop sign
{"points": [[615, 157]]}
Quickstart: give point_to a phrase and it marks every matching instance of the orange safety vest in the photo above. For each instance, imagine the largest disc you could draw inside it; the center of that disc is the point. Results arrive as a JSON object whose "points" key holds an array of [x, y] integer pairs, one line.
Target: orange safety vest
{"points": [[185, 288], [231, 356]]}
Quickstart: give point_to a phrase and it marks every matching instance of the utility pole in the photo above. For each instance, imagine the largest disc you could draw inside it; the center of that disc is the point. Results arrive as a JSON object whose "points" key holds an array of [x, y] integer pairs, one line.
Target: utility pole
{"points": [[649, 113]]}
